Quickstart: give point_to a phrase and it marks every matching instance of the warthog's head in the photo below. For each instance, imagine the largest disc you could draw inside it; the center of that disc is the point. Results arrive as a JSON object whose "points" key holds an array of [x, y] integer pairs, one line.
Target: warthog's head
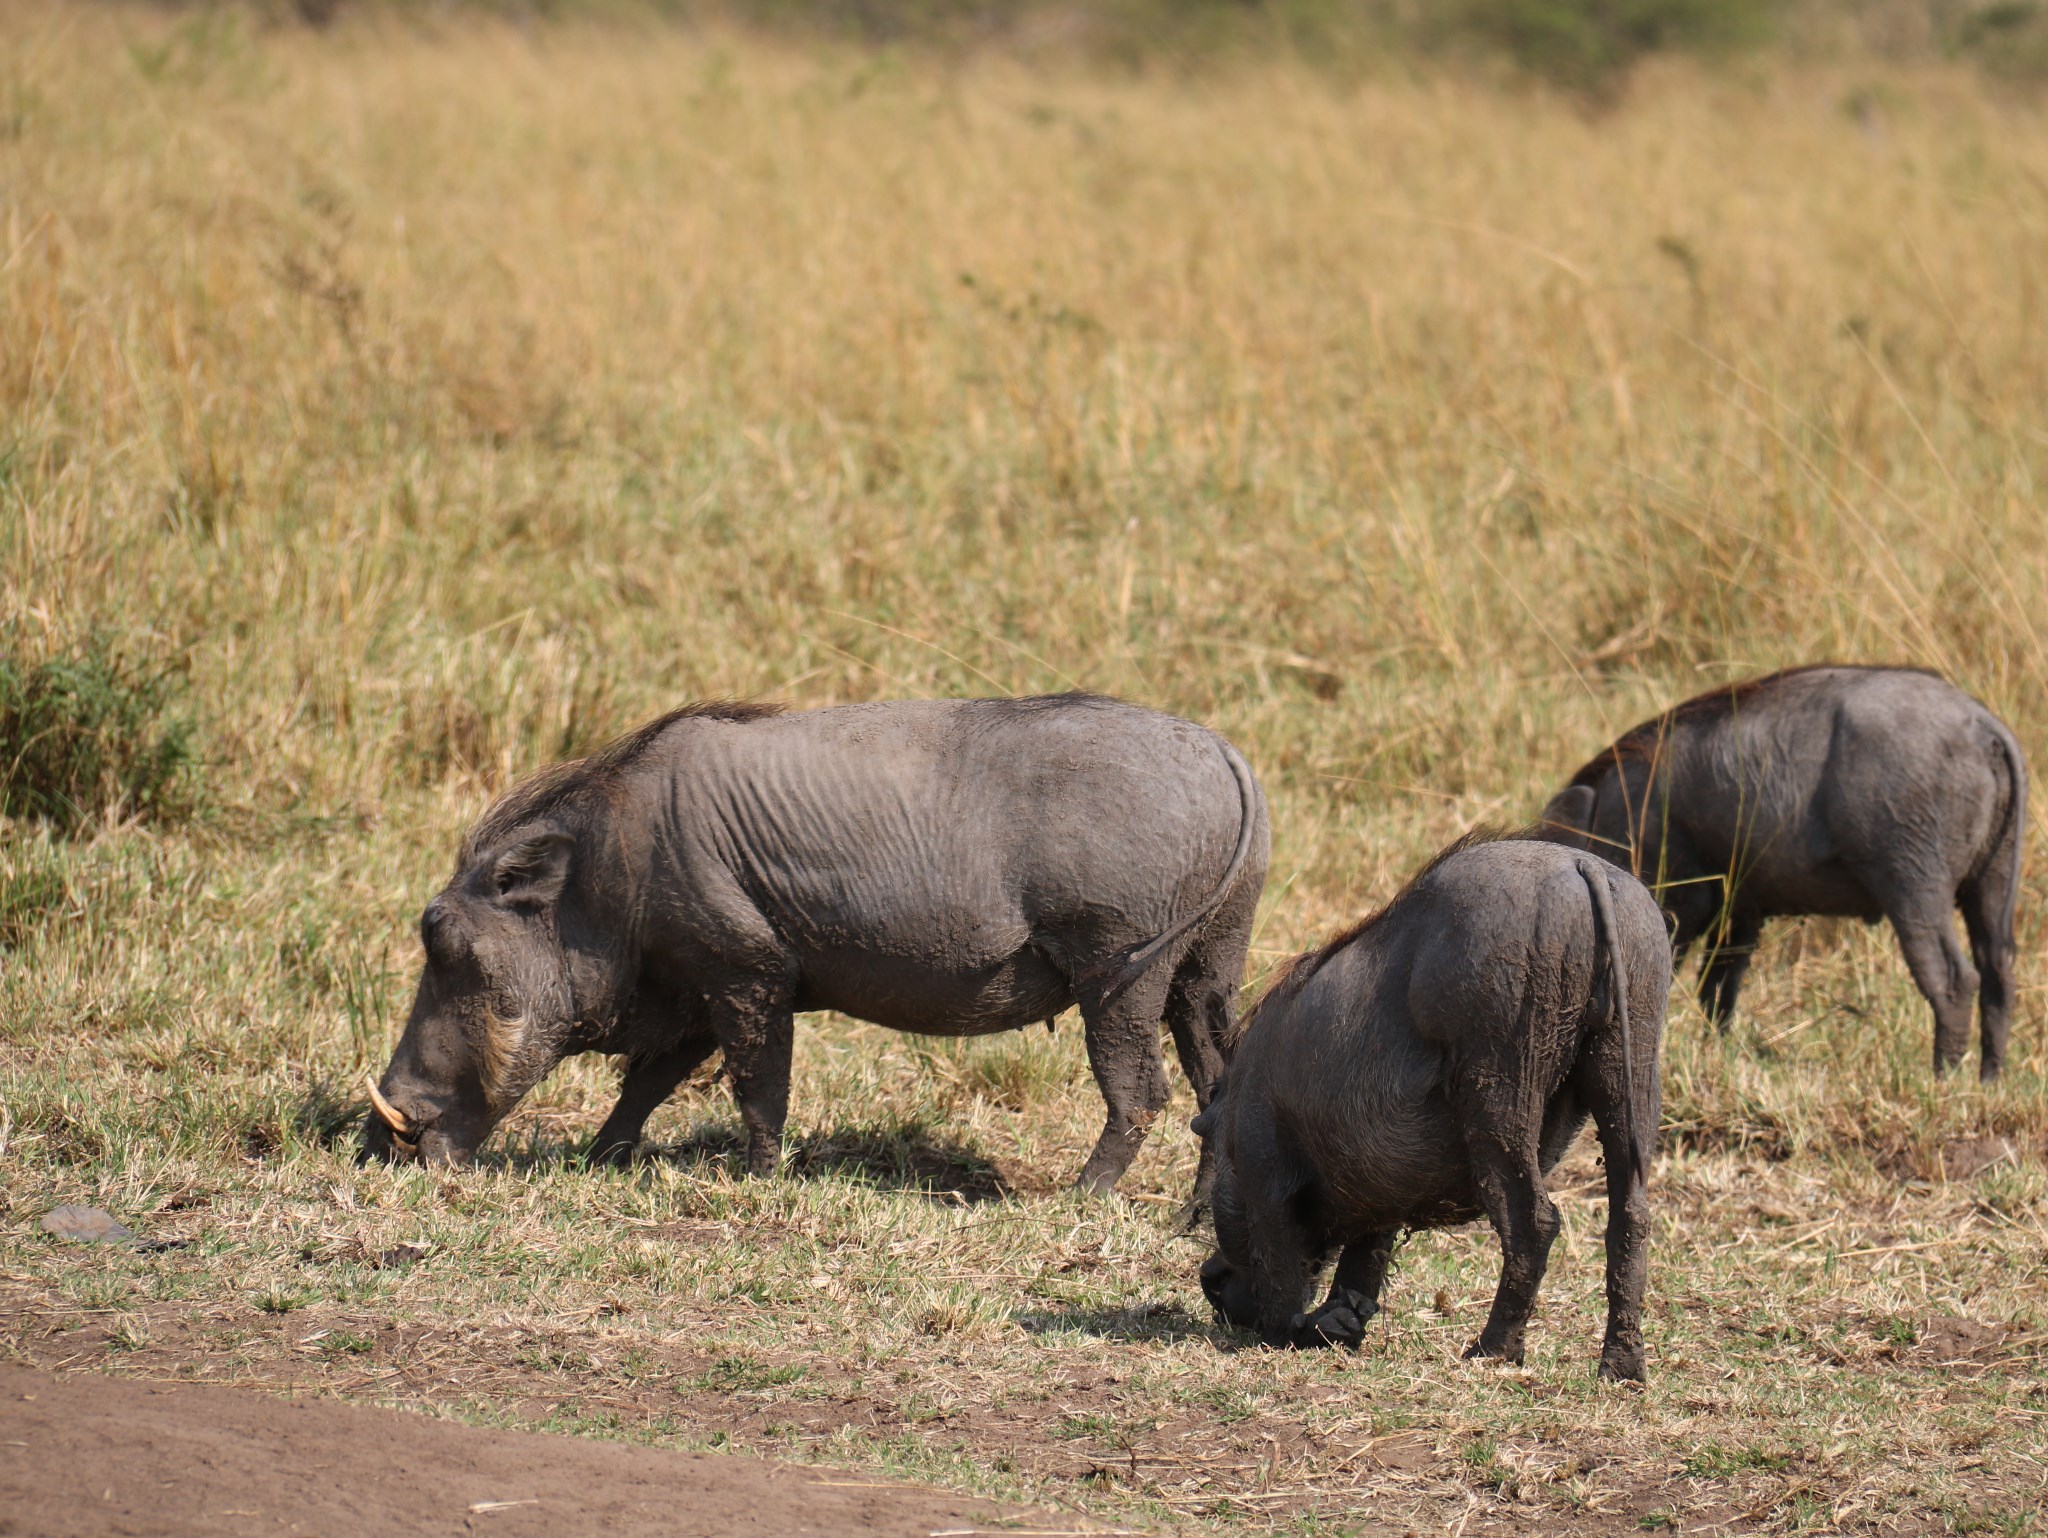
{"points": [[1568, 819], [506, 960]]}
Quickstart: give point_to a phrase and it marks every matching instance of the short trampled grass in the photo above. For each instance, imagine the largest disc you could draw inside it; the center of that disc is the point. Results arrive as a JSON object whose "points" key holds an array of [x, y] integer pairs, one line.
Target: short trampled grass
{"points": [[442, 399]]}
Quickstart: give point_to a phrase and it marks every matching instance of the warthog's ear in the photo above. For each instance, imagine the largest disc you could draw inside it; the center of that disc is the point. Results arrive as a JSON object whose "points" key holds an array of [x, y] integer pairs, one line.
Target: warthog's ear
{"points": [[532, 872], [1569, 817]]}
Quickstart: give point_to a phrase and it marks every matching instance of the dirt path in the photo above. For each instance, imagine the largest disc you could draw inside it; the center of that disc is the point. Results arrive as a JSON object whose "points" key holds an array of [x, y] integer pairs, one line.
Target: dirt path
{"points": [[91, 1455]]}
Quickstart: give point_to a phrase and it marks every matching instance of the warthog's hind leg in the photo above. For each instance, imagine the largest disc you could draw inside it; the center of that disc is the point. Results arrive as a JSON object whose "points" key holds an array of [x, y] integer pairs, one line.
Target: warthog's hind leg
{"points": [[1602, 1083], [1199, 1009], [1511, 1189], [1123, 1052], [1987, 914], [1944, 975]]}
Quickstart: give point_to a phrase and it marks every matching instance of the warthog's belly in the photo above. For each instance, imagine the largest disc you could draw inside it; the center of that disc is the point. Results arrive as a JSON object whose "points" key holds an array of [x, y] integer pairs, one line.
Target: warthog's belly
{"points": [[1830, 889], [1407, 1165], [1389, 1161], [936, 1000]]}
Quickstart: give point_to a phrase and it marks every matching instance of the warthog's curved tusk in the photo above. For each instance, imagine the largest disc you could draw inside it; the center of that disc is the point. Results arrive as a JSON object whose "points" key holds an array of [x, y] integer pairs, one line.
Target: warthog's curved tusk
{"points": [[394, 1118]]}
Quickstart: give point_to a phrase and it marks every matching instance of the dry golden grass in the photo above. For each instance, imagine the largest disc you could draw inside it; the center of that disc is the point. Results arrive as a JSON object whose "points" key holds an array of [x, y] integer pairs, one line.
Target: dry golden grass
{"points": [[444, 399]]}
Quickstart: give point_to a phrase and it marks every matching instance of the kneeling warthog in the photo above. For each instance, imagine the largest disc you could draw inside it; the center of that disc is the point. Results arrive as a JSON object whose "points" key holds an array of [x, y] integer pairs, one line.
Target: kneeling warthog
{"points": [[1432, 1065], [954, 867], [1863, 792]]}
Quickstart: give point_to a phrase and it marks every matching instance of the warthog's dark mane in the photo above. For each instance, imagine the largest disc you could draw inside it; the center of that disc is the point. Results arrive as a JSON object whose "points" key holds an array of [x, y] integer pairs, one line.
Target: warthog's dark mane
{"points": [[1644, 742], [547, 789], [1004, 707], [1295, 974]]}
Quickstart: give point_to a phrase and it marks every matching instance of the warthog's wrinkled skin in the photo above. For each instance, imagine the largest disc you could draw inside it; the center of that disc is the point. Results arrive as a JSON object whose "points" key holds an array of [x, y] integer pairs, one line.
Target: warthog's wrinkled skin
{"points": [[1433, 1065], [1862, 792], [952, 867]]}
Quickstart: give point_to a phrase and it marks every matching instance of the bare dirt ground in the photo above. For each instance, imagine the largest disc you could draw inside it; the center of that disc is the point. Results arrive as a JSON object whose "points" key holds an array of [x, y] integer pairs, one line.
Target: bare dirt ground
{"points": [[94, 1455]]}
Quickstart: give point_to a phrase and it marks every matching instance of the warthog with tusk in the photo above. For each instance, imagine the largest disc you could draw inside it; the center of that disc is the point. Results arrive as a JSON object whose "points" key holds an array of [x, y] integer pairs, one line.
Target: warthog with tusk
{"points": [[1431, 1065], [953, 867], [1863, 792]]}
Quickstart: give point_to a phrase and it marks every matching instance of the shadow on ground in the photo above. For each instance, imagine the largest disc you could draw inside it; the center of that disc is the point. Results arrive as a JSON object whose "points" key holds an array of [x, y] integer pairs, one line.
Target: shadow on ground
{"points": [[1163, 1322], [896, 1158], [911, 1159]]}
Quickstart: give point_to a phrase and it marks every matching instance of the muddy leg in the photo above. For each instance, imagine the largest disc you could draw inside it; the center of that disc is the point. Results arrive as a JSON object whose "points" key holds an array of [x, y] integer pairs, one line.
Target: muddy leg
{"points": [[1721, 972], [648, 1082], [758, 1032], [1201, 1008], [1512, 1192], [1354, 1294], [1198, 1013], [1944, 975], [1123, 1052], [1283, 1258], [1987, 914], [1603, 1083]]}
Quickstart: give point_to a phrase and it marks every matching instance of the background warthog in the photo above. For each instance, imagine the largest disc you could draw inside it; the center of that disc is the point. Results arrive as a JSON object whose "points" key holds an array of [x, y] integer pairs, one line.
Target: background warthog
{"points": [[1869, 792], [954, 867], [1435, 1063]]}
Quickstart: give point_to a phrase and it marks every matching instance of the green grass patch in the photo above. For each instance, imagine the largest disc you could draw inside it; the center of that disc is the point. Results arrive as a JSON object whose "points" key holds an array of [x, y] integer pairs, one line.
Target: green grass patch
{"points": [[88, 737]]}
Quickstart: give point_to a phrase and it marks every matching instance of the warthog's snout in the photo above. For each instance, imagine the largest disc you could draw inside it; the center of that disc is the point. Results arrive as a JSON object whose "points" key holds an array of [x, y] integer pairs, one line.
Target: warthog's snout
{"points": [[417, 1136], [1228, 1294]]}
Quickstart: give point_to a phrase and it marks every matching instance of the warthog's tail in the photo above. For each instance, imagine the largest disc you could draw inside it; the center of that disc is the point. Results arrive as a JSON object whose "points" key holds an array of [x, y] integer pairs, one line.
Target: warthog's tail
{"points": [[2012, 838], [1116, 973], [1594, 873]]}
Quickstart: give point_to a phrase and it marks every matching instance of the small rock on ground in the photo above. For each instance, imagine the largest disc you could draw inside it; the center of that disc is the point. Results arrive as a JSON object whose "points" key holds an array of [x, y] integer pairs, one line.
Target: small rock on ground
{"points": [[86, 1225]]}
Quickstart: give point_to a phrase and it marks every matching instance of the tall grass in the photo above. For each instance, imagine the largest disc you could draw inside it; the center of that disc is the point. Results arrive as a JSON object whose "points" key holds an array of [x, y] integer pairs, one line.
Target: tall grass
{"points": [[447, 403], [448, 399]]}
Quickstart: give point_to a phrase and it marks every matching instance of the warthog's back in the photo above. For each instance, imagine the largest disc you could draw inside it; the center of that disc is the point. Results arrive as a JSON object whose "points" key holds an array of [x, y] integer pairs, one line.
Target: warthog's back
{"points": [[1353, 1049], [905, 849], [1794, 783]]}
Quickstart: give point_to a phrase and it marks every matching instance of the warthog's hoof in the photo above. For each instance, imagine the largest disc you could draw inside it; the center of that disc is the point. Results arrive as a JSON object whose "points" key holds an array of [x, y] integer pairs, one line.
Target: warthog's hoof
{"points": [[614, 1155], [1621, 1365], [1484, 1350], [1339, 1322]]}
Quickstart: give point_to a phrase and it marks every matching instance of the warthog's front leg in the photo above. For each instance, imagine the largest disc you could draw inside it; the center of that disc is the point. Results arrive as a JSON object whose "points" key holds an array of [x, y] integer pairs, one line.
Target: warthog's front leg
{"points": [[1722, 971], [757, 1029], [648, 1082], [1354, 1295], [1282, 1262]]}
